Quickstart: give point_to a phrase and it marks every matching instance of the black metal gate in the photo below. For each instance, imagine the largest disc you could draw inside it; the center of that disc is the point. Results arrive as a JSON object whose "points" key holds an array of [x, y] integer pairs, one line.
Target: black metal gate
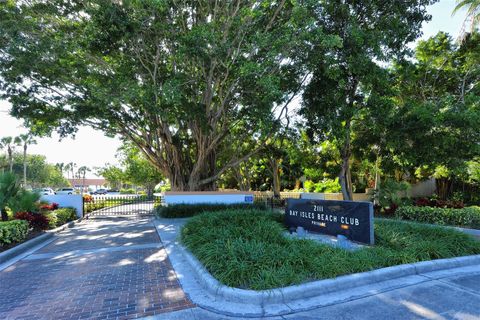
{"points": [[120, 205]]}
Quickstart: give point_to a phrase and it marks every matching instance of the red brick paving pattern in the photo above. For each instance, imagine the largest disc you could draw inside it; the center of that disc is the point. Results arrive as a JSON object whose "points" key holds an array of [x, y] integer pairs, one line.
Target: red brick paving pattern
{"points": [[107, 285]]}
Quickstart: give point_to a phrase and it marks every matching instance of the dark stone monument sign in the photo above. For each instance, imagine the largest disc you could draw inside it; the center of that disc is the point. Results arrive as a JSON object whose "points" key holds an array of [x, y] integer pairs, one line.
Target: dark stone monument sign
{"points": [[352, 219]]}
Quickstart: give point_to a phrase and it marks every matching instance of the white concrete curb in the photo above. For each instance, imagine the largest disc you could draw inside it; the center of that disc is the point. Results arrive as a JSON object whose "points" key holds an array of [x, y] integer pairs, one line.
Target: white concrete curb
{"points": [[208, 293]]}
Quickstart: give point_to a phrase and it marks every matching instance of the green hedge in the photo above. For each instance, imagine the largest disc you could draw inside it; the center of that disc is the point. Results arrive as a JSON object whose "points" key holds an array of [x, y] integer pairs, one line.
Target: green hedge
{"points": [[65, 215], [190, 210], [127, 191], [467, 217], [13, 231]]}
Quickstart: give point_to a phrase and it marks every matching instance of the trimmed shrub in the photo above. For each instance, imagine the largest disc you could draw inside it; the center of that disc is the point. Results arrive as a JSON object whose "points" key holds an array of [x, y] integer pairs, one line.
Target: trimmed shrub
{"points": [[49, 207], [190, 210], [425, 202], [36, 221], [52, 220], [65, 215], [127, 191], [27, 216], [13, 231], [39, 222], [467, 217]]}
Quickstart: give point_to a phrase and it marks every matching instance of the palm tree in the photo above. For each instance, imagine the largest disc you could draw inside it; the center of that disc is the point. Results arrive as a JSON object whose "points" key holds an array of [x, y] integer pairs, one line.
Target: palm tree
{"points": [[67, 170], [7, 142], [82, 171], [26, 140], [473, 11], [72, 169], [3, 159], [60, 167]]}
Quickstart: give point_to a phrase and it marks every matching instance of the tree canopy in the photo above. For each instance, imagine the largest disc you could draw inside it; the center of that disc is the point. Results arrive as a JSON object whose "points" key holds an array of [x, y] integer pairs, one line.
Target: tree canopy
{"points": [[249, 94], [349, 77], [174, 78]]}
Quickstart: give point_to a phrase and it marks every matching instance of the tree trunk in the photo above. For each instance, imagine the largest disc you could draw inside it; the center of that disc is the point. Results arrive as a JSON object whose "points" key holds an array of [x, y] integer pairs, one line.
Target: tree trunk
{"points": [[442, 186], [297, 184], [343, 179], [241, 181], [150, 189], [344, 175], [275, 164], [349, 181], [377, 180], [25, 165], [4, 215]]}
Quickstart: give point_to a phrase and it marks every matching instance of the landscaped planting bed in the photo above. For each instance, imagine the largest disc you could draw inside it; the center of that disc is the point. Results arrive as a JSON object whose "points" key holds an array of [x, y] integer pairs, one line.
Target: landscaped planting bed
{"points": [[12, 232], [28, 225], [248, 249], [465, 217]]}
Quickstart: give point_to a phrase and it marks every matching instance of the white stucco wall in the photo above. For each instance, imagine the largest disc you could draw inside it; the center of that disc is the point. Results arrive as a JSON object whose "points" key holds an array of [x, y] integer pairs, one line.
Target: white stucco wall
{"points": [[67, 200], [312, 196], [224, 198]]}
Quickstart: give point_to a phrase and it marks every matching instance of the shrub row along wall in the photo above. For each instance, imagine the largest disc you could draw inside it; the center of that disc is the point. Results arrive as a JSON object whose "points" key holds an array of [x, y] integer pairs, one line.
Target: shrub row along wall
{"points": [[190, 210], [466, 217]]}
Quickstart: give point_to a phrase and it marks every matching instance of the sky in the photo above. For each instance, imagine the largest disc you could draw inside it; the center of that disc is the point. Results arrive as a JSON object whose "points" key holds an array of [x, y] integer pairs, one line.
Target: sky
{"points": [[92, 149]]}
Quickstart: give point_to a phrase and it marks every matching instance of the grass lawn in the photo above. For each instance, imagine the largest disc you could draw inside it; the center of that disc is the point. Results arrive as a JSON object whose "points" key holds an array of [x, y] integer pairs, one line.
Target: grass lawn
{"points": [[246, 249]]}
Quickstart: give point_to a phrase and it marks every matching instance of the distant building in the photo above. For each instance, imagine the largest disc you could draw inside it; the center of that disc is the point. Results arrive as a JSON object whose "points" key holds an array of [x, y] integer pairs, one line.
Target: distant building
{"points": [[92, 184]]}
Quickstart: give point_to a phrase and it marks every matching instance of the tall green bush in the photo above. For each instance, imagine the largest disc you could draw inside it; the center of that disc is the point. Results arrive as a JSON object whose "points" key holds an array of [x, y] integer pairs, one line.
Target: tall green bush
{"points": [[9, 188]]}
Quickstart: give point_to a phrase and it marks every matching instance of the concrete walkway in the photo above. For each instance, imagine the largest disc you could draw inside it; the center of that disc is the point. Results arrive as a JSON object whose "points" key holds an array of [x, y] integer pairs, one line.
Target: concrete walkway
{"points": [[103, 268], [452, 293], [455, 296]]}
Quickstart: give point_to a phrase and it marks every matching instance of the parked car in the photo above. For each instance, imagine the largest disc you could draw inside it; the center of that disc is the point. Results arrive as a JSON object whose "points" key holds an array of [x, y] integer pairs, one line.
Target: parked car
{"points": [[44, 191], [66, 191], [100, 191]]}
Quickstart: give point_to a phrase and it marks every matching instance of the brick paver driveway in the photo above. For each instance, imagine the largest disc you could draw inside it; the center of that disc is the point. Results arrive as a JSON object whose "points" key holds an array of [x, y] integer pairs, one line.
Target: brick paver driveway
{"points": [[108, 268]]}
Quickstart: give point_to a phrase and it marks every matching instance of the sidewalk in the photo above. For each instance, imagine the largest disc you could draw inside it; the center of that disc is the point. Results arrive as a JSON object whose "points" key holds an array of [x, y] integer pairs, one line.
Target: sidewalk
{"points": [[453, 297]]}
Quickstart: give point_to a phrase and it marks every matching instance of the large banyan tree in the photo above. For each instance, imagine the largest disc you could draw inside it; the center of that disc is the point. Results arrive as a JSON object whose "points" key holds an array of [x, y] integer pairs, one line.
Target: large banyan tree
{"points": [[177, 78]]}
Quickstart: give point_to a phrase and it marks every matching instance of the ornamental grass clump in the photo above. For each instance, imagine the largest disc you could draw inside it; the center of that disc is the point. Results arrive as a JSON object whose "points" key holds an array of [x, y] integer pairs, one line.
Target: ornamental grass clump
{"points": [[248, 249]]}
